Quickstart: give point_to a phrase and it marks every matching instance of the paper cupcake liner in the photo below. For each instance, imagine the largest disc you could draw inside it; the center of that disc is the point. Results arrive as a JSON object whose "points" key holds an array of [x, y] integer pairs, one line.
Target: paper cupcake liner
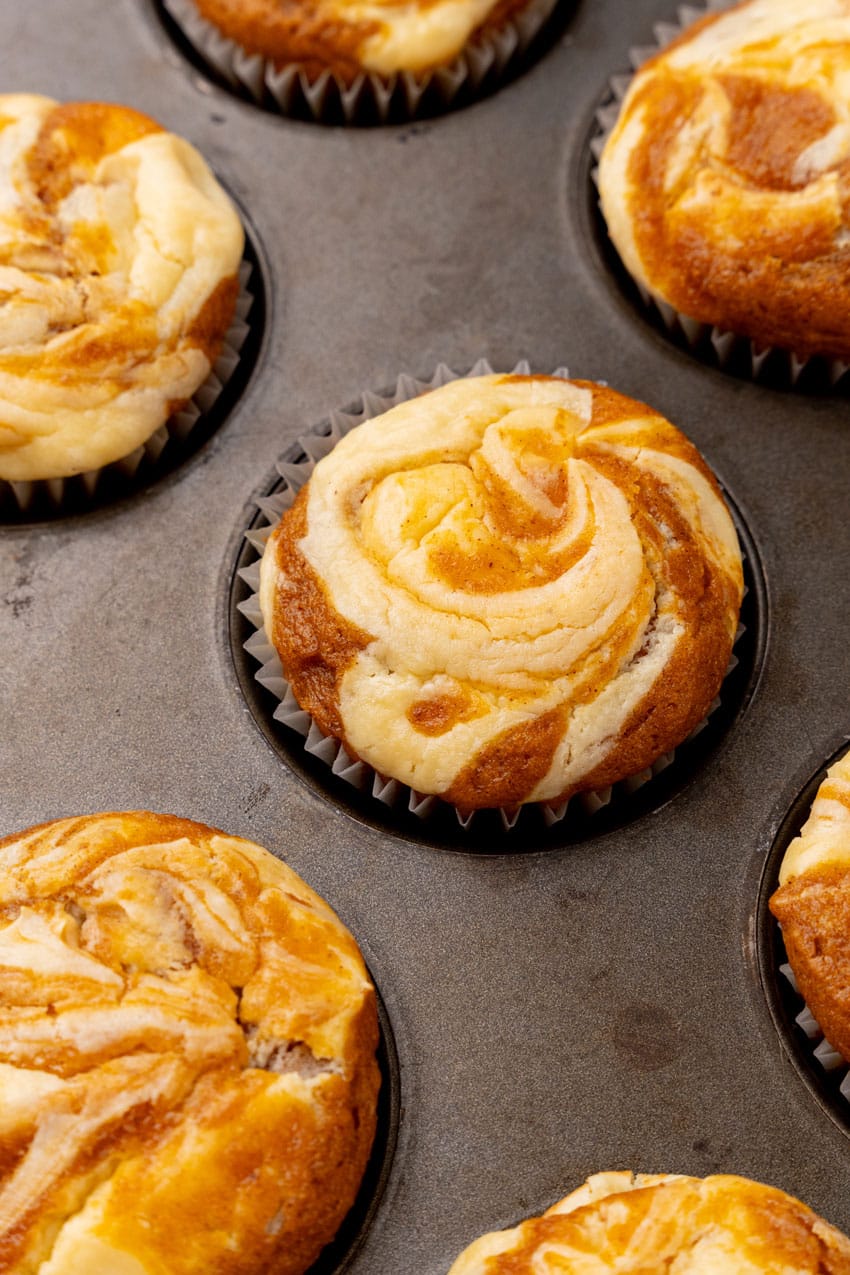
{"points": [[270, 675], [59, 495], [370, 97], [731, 351], [822, 1053]]}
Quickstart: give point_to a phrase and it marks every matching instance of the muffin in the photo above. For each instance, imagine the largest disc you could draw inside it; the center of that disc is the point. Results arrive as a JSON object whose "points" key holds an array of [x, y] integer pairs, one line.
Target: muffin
{"points": [[120, 259], [187, 1055], [812, 905], [361, 59], [725, 182], [508, 590], [638, 1223], [349, 37]]}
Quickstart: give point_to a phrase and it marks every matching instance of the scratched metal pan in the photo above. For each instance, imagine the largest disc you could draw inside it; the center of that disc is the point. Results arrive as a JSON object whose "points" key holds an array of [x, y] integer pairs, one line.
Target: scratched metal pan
{"points": [[556, 1008]]}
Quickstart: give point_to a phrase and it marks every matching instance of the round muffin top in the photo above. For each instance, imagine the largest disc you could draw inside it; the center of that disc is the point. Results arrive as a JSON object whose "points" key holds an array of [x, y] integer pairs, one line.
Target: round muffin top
{"points": [[349, 37], [637, 1223], [187, 1038], [119, 255], [506, 590], [726, 181], [812, 905]]}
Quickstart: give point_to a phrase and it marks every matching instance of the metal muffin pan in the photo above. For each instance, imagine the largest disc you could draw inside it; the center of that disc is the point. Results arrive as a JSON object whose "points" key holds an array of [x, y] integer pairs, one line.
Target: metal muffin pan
{"points": [[594, 1005]]}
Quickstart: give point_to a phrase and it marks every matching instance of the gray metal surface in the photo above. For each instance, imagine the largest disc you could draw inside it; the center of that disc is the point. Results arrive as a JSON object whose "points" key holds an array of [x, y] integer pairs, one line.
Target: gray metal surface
{"points": [[594, 1007]]}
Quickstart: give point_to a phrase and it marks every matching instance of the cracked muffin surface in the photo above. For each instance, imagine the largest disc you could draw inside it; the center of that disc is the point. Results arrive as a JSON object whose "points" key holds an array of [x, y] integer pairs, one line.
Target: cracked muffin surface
{"points": [[187, 1049], [637, 1223], [506, 590], [119, 259]]}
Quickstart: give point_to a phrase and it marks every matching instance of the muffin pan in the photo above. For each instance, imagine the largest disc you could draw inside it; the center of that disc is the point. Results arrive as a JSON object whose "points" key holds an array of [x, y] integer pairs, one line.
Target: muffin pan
{"points": [[599, 1005]]}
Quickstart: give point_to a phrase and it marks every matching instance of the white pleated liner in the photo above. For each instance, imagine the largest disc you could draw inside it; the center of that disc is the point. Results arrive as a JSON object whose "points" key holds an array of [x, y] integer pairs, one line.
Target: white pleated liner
{"points": [[727, 345], [291, 90], [271, 676], [178, 427], [828, 1058]]}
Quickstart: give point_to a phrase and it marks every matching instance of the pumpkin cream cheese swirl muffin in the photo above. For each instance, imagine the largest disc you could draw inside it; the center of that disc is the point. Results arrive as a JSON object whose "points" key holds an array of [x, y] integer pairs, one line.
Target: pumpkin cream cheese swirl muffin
{"points": [[507, 590], [187, 1041], [812, 905], [349, 37], [726, 180], [636, 1223], [119, 257]]}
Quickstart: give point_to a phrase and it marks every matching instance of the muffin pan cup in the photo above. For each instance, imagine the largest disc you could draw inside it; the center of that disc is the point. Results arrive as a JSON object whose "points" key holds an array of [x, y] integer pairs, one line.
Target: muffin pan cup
{"points": [[394, 796], [591, 996], [369, 98]]}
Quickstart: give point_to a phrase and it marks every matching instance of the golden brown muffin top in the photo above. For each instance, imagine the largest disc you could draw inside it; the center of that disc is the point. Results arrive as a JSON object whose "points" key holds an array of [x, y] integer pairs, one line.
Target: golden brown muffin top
{"points": [[119, 255], [187, 1039], [506, 590], [635, 1224], [726, 181]]}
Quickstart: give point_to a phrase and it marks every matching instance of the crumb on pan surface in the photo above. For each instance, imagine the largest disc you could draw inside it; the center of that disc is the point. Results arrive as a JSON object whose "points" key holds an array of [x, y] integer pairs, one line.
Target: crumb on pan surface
{"points": [[509, 589], [637, 1223], [119, 258], [187, 1064], [349, 37], [725, 183], [812, 905]]}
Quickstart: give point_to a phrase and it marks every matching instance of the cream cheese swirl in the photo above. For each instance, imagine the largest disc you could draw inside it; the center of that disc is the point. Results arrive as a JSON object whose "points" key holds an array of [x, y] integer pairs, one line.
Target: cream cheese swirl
{"points": [[725, 181], [187, 1038], [506, 589], [633, 1223], [119, 254]]}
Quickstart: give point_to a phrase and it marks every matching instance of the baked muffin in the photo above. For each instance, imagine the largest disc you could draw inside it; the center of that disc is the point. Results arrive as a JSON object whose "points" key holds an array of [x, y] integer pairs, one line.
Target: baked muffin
{"points": [[187, 1054], [351, 37], [726, 183], [119, 258], [812, 905], [638, 1223], [507, 590]]}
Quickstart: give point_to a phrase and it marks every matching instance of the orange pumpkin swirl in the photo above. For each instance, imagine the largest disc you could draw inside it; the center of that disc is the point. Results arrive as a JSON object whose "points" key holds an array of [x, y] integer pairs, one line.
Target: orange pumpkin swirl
{"points": [[507, 590], [636, 1224], [812, 905], [726, 181], [119, 255], [187, 1038]]}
